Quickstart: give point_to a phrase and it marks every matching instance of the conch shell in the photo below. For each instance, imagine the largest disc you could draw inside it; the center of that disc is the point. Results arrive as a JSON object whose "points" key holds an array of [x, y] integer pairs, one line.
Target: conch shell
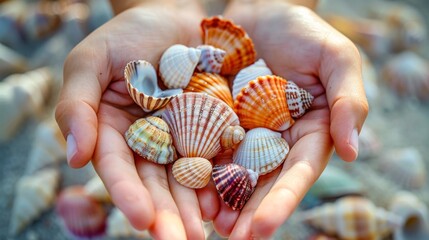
{"points": [[211, 59]]}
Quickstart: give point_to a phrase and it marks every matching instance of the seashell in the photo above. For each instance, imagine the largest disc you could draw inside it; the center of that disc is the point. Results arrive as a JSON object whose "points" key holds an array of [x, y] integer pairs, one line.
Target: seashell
{"points": [[408, 74], [82, 216], [118, 226], [269, 102], [404, 166], [96, 189], [34, 194], [177, 65], [234, 183], [143, 88], [262, 150], [247, 74], [232, 136], [194, 172], [224, 34], [11, 61], [213, 84], [352, 218], [197, 122], [211, 59], [150, 138], [369, 144]]}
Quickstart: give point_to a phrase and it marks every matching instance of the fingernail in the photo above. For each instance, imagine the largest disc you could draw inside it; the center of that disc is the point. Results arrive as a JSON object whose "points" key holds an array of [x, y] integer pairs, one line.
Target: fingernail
{"points": [[354, 140], [71, 147]]}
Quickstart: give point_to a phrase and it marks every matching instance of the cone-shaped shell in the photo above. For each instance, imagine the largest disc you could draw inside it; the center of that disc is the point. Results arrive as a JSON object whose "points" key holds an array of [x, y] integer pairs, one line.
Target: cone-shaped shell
{"points": [[150, 138], [247, 74], [298, 100], [232, 136], [196, 122], [177, 65], [213, 84], [261, 150], [142, 85], [224, 34], [211, 59], [192, 172], [234, 183]]}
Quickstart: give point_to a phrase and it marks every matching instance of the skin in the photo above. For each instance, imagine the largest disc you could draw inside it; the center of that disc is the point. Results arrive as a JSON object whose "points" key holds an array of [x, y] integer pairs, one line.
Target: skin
{"points": [[295, 43]]}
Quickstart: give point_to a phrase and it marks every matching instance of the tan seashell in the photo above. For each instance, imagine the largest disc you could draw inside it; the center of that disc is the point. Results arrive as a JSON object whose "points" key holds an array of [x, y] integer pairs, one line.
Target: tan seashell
{"points": [[232, 136], [143, 88], [118, 226], [150, 138], [211, 59], [177, 65], [213, 84], [96, 189], [224, 34], [194, 172], [197, 122], [262, 150]]}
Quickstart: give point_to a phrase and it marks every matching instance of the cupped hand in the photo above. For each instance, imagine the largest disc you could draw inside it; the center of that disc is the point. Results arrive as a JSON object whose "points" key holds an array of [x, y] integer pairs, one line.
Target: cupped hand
{"points": [[95, 110], [299, 46]]}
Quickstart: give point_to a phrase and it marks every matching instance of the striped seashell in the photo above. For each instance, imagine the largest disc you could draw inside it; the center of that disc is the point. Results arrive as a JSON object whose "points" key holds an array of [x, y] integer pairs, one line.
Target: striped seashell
{"points": [[142, 85], [234, 183], [150, 138], [262, 150], [247, 74], [177, 65], [352, 218], [232, 136], [224, 34], [211, 59], [194, 172], [197, 122], [118, 226], [265, 102], [213, 84]]}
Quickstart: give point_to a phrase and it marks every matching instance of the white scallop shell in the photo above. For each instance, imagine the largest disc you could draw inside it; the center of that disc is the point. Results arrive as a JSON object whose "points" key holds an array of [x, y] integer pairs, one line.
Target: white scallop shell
{"points": [[247, 74], [118, 226], [211, 59]]}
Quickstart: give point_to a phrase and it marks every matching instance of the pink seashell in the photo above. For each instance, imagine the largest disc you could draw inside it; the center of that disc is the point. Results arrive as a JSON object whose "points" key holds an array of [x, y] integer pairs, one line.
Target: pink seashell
{"points": [[211, 59], [192, 172]]}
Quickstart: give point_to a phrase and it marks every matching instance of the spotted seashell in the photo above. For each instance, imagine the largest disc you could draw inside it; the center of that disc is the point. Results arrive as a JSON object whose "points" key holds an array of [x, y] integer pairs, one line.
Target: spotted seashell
{"points": [[352, 218], [150, 138], [264, 103], [213, 84], [194, 172], [232, 136], [118, 226], [177, 65], [211, 59], [234, 183], [247, 74], [197, 122], [262, 150], [224, 34], [142, 85]]}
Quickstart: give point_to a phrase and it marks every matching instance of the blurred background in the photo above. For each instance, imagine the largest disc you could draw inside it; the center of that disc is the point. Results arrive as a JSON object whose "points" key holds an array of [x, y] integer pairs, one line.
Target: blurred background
{"points": [[389, 177]]}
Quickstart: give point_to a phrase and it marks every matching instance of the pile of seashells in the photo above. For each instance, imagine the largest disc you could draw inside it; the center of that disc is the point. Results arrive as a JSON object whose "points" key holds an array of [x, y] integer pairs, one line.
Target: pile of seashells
{"points": [[199, 117]]}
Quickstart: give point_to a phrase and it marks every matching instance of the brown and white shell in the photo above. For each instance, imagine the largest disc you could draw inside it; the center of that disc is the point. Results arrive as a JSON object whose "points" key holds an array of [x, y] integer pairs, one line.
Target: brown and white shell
{"points": [[177, 65], [232, 136], [234, 183], [150, 138], [211, 59], [142, 85], [196, 122], [224, 34], [262, 150], [194, 172]]}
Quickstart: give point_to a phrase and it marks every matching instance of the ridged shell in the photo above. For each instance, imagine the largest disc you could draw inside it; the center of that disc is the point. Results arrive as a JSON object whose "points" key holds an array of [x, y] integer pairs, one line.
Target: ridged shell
{"points": [[142, 85], [197, 122], [96, 189], [177, 65], [211, 59], [224, 34], [232, 136], [298, 100], [213, 84], [352, 218], [192, 172], [118, 226], [150, 138], [234, 183], [247, 74], [261, 150]]}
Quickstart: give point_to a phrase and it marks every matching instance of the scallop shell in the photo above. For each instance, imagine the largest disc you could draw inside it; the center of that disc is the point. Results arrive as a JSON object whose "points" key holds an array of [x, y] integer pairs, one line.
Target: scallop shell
{"points": [[247, 74], [262, 150], [150, 138], [352, 218], [96, 189], [177, 65], [118, 226], [232, 136], [197, 122], [143, 88], [194, 172], [34, 195], [213, 84], [211, 59], [234, 183], [264, 103], [224, 34]]}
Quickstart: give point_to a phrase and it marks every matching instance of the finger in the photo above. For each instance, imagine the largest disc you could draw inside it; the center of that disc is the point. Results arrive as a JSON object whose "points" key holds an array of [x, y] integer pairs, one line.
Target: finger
{"points": [[209, 201], [225, 220]]}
